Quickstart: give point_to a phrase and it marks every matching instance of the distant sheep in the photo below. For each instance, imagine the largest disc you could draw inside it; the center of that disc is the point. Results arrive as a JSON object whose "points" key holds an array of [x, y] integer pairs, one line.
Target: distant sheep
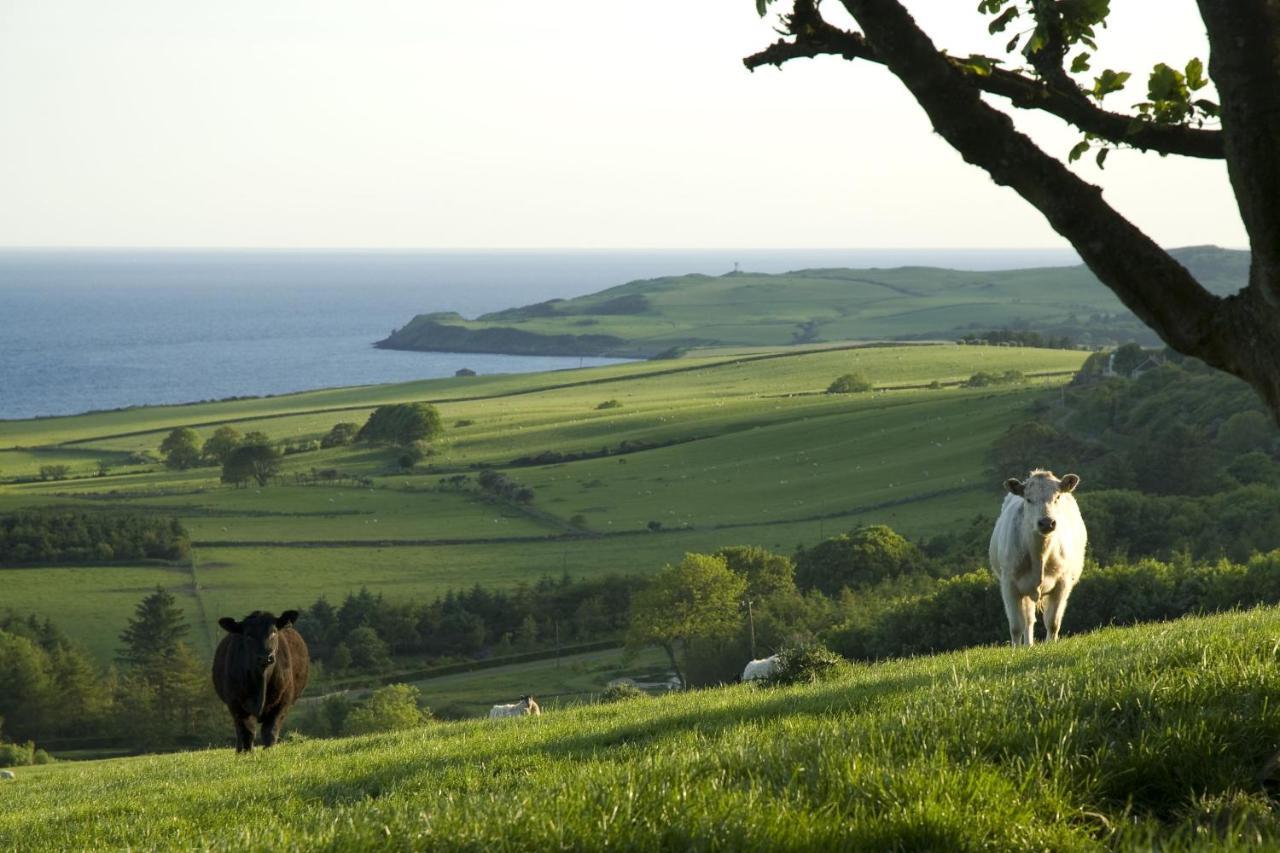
{"points": [[1037, 552], [7, 774], [760, 669], [525, 707]]}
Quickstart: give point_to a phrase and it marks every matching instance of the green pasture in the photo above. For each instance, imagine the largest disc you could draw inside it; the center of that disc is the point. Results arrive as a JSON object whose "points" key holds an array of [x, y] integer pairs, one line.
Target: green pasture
{"points": [[1135, 739], [738, 450]]}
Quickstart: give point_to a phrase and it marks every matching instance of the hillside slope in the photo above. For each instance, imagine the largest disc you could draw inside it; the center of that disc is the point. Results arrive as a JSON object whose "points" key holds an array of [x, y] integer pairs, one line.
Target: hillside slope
{"points": [[1125, 738], [645, 318]]}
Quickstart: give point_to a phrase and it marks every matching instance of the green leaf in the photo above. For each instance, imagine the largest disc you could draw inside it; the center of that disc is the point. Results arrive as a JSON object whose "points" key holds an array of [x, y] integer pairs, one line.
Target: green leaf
{"points": [[1102, 156], [1080, 63], [999, 24], [1195, 75], [1166, 84], [1109, 81], [1207, 107], [762, 6], [1078, 151]]}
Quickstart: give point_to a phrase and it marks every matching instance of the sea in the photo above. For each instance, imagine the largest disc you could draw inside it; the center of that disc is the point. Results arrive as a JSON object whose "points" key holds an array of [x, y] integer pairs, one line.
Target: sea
{"points": [[89, 329]]}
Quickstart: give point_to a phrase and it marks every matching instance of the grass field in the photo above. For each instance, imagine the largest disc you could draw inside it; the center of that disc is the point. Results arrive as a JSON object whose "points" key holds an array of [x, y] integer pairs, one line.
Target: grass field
{"points": [[736, 449], [1139, 738]]}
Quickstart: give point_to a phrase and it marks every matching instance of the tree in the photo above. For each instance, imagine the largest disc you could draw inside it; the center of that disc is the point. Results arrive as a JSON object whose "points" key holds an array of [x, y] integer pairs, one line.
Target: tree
{"points": [[181, 449], [1051, 54], [850, 383], [259, 462], [865, 556], [700, 597], [340, 434], [157, 625], [401, 424], [387, 709], [368, 651], [218, 446], [164, 679]]}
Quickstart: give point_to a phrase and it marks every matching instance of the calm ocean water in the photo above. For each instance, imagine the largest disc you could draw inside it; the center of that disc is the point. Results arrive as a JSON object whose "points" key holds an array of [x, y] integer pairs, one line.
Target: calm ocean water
{"points": [[88, 329]]}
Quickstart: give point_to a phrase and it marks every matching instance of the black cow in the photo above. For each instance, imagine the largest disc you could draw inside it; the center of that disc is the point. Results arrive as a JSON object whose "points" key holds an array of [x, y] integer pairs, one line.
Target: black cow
{"points": [[260, 670]]}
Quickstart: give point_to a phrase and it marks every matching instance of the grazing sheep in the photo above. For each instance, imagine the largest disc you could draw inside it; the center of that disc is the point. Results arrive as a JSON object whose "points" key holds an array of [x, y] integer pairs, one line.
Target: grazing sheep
{"points": [[7, 774], [760, 669], [525, 707], [1037, 551]]}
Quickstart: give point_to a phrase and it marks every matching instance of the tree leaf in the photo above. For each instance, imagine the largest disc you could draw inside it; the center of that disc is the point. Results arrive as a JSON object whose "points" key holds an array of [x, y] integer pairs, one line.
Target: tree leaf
{"points": [[1078, 151]]}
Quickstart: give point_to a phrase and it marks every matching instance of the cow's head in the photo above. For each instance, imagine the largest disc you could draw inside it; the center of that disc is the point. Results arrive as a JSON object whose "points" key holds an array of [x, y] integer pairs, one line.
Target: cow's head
{"points": [[259, 635], [1041, 491]]}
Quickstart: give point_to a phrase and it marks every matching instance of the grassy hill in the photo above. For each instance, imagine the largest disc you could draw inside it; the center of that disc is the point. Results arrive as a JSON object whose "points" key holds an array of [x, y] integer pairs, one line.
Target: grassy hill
{"points": [[1124, 739], [646, 318], [720, 449]]}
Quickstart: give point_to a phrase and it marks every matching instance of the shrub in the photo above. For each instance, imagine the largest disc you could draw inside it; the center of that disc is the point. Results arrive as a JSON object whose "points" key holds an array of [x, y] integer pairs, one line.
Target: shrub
{"points": [[41, 757], [850, 383], [54, 472], [862, 557], [387, 709], [807, 664], [622, 692], [464, 422], [340, 434], [17, 754], [609, 404]]}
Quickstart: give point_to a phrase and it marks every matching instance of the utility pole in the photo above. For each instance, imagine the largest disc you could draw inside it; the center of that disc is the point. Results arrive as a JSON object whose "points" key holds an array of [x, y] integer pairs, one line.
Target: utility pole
{"points": [[751, 623]]}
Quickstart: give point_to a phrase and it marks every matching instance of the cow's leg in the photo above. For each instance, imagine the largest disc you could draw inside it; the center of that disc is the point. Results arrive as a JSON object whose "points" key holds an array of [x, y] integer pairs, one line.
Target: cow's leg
{"points": [[1055, 605], [1016, 612], [271, 723], [244, 732], [1028, 606]]}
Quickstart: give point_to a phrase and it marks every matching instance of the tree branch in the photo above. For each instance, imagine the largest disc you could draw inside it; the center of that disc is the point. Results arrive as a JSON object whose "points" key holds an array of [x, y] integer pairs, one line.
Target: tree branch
{"points": [[814, 37], [1244, 61], [1150, 282]]}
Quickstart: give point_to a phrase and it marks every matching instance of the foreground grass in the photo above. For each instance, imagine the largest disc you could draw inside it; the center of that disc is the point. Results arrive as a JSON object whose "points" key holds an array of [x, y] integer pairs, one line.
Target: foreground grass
{"points": [[1125, 738]]}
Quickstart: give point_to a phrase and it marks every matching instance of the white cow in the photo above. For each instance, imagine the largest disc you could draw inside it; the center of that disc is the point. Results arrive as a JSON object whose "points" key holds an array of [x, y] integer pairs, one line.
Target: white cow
{"points": [[524, 707], [760, 668], [1037, 551]]}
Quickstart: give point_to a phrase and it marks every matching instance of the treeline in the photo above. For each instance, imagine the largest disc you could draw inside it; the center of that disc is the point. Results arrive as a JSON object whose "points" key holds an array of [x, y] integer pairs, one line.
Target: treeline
{"points": [[365, 631], [1180, 458], [157, 696], [1019, 338], [254, 457], [967, 610], [71, 536]]}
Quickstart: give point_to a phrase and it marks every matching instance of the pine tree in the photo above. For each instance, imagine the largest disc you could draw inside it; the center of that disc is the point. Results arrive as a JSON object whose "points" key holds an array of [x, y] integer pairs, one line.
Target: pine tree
{"points": [[157, 625]]}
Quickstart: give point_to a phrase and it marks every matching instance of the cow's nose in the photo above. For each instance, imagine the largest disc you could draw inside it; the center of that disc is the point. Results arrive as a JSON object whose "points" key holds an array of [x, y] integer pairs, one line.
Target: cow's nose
{"points": [[1046, 525]]}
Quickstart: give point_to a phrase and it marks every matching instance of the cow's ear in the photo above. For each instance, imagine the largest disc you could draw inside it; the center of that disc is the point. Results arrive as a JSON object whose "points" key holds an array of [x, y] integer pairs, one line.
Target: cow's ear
{"points": [[287, 618], [1014, 485], [230, 625], [1069, 483]]}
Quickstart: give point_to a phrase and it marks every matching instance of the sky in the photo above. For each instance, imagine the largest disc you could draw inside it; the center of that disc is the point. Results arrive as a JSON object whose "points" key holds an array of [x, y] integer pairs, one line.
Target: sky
{"points": [[584, 124]]}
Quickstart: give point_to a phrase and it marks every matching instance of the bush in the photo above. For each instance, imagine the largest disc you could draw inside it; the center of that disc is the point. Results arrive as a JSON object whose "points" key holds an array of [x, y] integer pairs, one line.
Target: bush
{"points": [[609, 404], [387, 709], [54, 472], [401, 424], [340, 434], [17, 754], [864, 556], [622, 692], [807, 664], [850, 383], [41, 757]]}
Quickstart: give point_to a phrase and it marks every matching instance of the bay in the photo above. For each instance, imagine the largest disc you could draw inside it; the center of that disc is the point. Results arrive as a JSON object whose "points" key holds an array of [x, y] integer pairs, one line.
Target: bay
{"points": [[84, 330]]}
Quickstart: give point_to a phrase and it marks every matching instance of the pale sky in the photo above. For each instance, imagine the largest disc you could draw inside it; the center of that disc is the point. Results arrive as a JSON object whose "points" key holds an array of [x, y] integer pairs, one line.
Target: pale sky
{"points": [[517, 124]]}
